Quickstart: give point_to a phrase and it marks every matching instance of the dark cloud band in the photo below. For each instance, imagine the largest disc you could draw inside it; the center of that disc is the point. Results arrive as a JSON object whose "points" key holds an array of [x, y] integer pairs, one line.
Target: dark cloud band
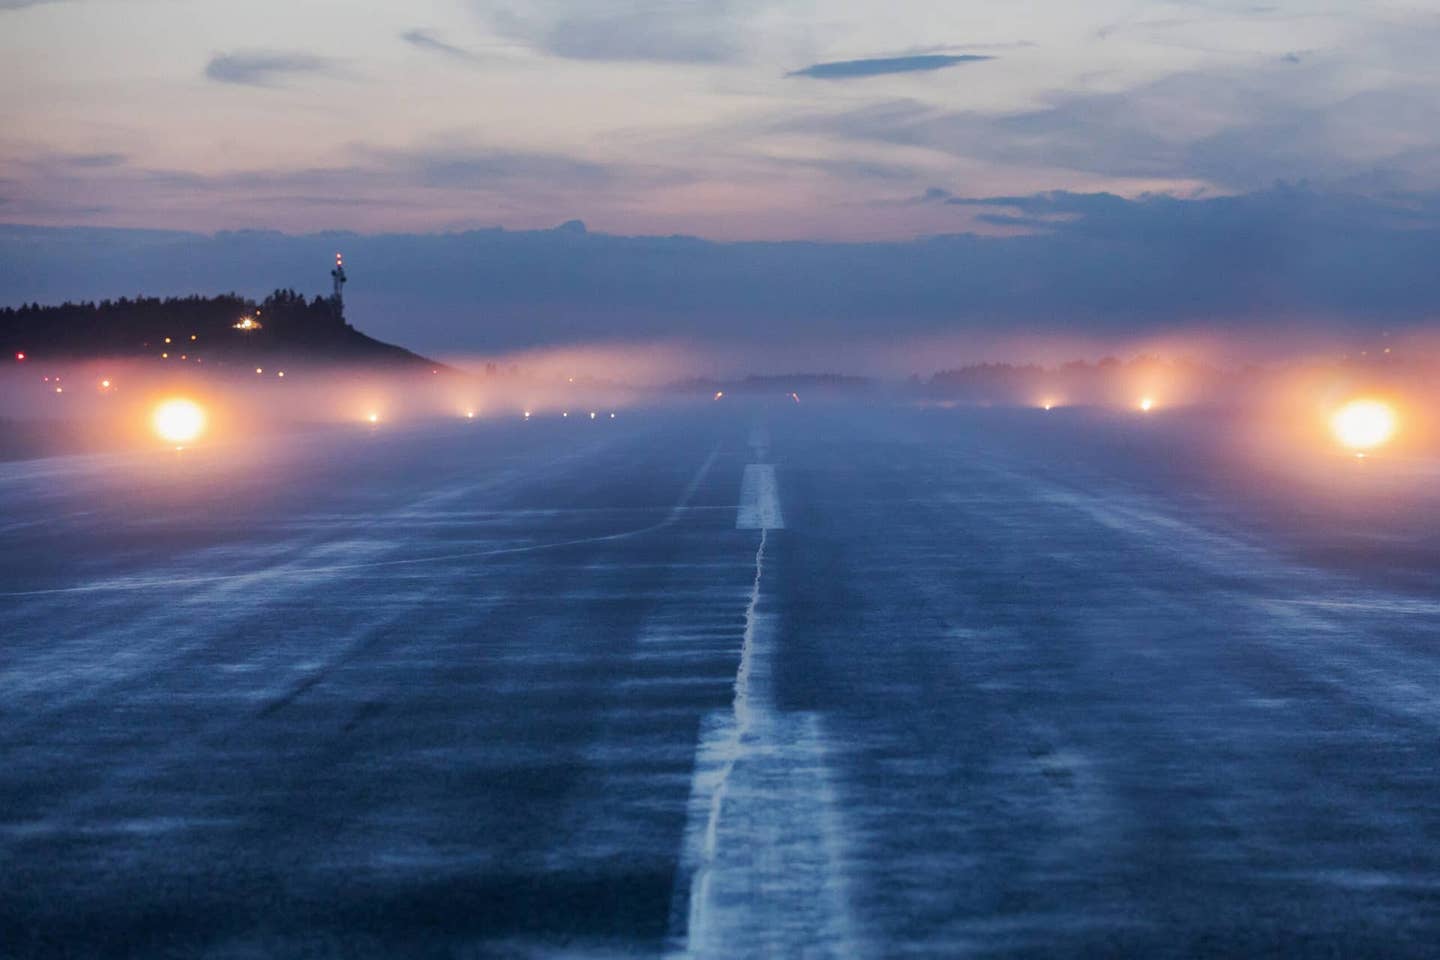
{"points": [[884, 66]]}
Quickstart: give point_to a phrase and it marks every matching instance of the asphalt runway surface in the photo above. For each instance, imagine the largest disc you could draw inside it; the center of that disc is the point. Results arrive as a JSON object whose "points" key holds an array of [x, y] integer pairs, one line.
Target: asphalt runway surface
{"points": [[722, 681]]}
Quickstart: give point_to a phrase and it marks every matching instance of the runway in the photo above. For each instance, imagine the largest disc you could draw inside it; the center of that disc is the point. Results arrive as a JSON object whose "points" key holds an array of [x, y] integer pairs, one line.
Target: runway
{"points": [[732, 680]]}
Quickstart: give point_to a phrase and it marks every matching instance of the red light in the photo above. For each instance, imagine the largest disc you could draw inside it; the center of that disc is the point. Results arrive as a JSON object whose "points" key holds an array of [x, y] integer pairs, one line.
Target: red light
{"points": [[20, 356]]}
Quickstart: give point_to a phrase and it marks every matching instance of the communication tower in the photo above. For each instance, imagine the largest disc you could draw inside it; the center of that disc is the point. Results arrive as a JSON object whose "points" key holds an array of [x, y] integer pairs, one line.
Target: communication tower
{"points": [[338, 275]]}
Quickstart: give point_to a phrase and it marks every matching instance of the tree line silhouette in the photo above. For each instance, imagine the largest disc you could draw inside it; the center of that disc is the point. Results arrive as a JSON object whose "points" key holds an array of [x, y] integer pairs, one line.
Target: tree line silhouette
{"points": [[284, 322]]}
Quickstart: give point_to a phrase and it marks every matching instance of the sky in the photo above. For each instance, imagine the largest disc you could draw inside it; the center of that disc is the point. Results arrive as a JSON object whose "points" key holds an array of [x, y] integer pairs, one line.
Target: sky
{"points": [[867, 128]]}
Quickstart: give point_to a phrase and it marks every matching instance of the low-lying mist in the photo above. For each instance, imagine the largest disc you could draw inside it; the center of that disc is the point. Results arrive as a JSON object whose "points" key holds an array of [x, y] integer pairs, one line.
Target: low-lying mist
{"points": [[99, 402]]}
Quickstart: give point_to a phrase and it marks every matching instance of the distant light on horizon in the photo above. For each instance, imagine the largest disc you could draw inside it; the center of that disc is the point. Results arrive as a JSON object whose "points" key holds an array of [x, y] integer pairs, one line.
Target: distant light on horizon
{"points": [[1147, 404], [178, 421], [1364, 424]]}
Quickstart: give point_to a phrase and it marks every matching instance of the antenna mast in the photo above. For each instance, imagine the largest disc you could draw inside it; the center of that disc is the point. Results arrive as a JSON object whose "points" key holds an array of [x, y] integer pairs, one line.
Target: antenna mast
{"points": [[338, 275]]}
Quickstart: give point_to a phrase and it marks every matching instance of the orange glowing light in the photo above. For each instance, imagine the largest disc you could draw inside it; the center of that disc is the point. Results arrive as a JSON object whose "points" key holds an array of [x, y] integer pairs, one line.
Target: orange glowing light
{"points": [[1147, 404], [373, 417], [469, 414], [178, 421], [1364, 424], [104, 384]]}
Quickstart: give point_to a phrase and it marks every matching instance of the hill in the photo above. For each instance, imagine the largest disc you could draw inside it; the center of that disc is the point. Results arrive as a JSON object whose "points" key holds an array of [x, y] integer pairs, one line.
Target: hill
{"points": [[218, 331]]}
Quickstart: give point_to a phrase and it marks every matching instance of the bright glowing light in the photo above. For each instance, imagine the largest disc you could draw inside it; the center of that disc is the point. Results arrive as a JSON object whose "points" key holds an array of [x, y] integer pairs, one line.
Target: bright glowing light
{"points": [[565, 414], [280, 373], [167, 339], [469, 414], [246, 324], [719, 394], [178, 421], [259, 370], [164, 356], [592, 414], [59, 389], [1363, 424], [795, 397], [527, 414], [20, 356], [373, 417], [612, 416], [104, 384], [1147, 404]]}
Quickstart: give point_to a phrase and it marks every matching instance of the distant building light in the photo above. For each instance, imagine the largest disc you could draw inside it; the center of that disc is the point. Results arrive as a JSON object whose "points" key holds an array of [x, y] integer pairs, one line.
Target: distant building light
{"points": [[246, 324]]}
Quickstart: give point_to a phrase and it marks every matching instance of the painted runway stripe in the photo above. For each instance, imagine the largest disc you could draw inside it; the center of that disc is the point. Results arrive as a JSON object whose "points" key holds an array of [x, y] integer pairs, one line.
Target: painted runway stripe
{"points": [[763, 852], [759, 499]]}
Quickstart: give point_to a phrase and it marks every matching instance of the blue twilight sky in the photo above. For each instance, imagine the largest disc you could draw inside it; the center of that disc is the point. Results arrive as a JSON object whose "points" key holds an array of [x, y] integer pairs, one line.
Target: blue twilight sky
{"points": [[1200, 152]]}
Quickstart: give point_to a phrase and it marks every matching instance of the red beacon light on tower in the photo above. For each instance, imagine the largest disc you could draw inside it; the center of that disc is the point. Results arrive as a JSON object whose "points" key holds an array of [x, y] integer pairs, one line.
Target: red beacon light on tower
{"points": [[338, 275]]}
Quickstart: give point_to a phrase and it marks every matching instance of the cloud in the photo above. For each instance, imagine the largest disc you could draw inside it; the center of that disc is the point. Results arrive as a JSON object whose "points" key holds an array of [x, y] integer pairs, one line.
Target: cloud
{"points": [[263, 68], [89, 161], [22, 4], [481, 169], [882, 66], [1288, 258], [1239, 129], [627, 30], [426, 40]]}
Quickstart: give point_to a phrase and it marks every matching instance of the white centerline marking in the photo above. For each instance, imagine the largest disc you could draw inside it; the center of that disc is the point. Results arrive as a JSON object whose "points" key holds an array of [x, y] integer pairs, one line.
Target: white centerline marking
{"points": [[759, 499], [764, 853]]}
